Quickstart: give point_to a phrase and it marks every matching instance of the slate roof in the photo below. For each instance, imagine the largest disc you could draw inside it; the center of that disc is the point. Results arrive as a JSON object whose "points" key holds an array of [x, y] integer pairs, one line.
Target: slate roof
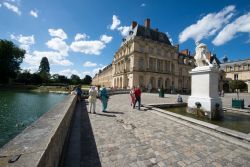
{"points": [[215, 59], [237, 62], [148, 33]]}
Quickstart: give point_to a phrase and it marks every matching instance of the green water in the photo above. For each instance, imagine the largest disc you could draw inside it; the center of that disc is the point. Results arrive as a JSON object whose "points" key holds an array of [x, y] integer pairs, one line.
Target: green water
{"points": [[234, 121], [19, 109]]}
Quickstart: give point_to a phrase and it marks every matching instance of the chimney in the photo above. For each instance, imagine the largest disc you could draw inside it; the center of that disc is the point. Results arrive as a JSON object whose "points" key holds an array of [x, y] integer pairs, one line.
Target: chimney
{"points": [[185, 52], [177, 46], [134, 24], [147, 23]]}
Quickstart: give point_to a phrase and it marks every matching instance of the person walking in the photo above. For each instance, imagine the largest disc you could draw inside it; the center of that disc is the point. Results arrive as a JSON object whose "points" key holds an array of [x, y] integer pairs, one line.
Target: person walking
{"points": [[104, 98], [79, 93], [92, 98], [137, 93], [132, 95]]}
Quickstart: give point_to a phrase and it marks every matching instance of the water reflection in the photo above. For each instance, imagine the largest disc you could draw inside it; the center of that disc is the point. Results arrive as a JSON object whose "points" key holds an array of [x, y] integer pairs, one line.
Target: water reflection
{"points": [[234, 121], [20, 109]]}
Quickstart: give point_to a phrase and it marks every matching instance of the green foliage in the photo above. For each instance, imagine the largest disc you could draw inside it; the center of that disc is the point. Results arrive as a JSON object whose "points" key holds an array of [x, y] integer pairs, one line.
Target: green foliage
{"points": [[56, 78], [87, 80], [44, 70], [75, 79], [237, 84], [44, 65], [10, 59], [27, 78]]}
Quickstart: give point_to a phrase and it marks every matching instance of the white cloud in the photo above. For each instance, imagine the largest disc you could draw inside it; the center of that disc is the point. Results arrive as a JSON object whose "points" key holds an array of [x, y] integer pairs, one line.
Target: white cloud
{"points": [[58, 33], [208, 25], [170, 38], [84, 73], [34, 13], [24, 41], [59, 45], [88, 47], [31, 69], [11, 7], [0, 5], [106, 39], [115, 22], [124, 30], [240, 25], [55, 58], [89, 64], [143, 5], [80, 36]]}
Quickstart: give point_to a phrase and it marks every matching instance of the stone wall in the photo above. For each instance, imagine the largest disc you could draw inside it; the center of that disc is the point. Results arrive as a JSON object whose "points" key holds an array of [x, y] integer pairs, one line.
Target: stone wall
{"points": [[41, 144]]}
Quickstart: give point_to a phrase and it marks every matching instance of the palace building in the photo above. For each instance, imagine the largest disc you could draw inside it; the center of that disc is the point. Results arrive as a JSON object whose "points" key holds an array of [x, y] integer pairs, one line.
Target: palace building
{"points": [[147, 58], [236, 70]]}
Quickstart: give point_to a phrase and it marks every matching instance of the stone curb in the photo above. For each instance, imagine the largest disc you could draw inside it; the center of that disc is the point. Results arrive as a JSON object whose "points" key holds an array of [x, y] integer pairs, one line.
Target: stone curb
{"points": [[242, 139]]}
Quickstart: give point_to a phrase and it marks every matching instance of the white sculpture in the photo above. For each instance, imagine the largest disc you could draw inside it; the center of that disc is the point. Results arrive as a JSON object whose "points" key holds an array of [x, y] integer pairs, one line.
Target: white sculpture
{"points": [[201, 55]]}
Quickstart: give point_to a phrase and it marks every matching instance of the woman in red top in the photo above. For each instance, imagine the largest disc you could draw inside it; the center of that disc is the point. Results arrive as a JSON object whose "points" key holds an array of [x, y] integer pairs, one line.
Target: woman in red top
{"points": [[137, 93]]}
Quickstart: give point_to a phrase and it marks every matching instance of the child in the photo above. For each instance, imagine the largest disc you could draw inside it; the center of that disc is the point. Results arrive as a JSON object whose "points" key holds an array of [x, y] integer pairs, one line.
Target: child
{"points": [[132, 95]]}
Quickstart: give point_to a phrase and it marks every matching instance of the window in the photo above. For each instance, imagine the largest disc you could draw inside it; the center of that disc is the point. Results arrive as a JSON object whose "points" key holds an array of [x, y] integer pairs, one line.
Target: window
{"points": [[173, 68], [159, 51], [168, 66], [150, 50], [141, 81], [167, 83], [141, 64], [236, 77], [160, 83], [159, 66]]}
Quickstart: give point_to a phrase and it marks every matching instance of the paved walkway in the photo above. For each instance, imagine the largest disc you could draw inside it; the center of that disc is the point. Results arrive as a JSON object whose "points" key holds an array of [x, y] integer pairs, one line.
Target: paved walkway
{"points": [[128, 137]]}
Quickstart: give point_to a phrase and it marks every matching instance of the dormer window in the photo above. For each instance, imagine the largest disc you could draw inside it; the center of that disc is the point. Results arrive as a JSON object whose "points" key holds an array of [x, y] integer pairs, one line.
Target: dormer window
{"points": [[131, 32], [123, 39]]}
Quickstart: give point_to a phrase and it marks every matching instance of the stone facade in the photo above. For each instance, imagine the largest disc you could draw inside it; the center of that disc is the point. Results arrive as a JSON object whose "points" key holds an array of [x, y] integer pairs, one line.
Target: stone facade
{"points": [[104, 77], [236, 70], [147, 58]]}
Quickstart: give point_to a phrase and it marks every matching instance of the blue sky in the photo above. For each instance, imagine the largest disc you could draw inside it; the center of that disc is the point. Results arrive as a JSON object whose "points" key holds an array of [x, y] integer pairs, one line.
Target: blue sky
{"points": [[81, 36]]}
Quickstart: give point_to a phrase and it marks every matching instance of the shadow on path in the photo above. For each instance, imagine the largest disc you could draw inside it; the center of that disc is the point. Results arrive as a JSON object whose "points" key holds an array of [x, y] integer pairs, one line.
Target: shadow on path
{"points": [[81, 150], [90, 156], [114, 112], [107, 115]]}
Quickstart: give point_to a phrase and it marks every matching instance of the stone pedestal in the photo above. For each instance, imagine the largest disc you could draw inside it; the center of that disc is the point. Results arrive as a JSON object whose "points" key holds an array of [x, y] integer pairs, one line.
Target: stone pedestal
{"points": [[204, 90]]}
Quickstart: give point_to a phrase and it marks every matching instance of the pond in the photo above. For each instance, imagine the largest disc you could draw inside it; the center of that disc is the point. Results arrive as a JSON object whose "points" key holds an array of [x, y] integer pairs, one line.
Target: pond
{"points": [[19, 109], [234, 121]]}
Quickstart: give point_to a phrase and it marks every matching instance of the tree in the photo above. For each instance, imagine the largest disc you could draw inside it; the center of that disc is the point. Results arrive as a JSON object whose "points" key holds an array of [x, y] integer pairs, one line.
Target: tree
{"points": [[24, 77], [237, 84], [44, 69], [87, 80], [10, 59], [36, 79], [75, 79], [56, 78]]}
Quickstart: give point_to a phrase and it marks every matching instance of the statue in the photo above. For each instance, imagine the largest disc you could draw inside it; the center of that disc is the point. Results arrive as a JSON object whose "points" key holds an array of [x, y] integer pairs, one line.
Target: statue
{"points": [[201, 55]]}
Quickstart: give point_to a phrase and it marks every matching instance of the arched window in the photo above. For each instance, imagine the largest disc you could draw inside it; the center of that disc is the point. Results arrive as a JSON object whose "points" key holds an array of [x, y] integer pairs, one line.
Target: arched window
{"points": [[120, 82], [167, 84], [152, 81], [160, 84]]}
